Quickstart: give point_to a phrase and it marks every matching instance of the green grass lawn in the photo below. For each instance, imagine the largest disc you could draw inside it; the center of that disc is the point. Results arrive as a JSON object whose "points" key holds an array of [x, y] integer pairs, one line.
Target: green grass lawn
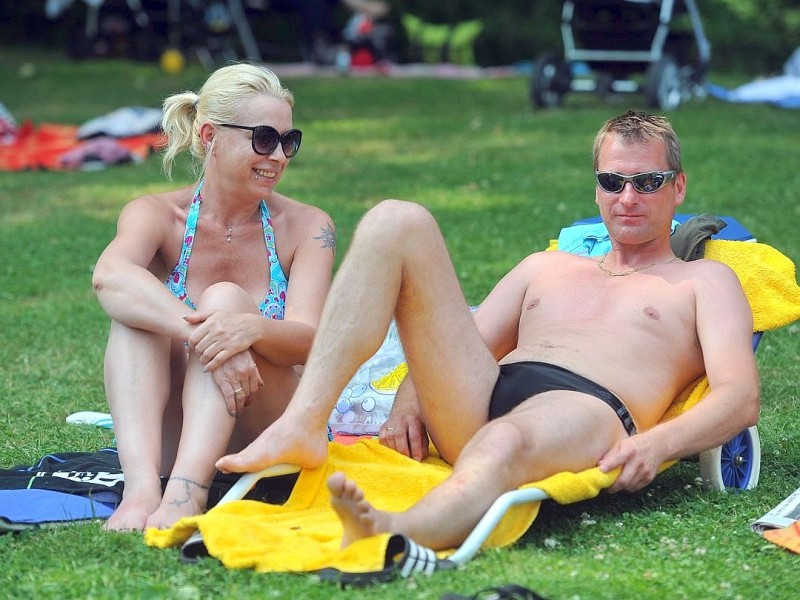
{"points": [[502, 179]]}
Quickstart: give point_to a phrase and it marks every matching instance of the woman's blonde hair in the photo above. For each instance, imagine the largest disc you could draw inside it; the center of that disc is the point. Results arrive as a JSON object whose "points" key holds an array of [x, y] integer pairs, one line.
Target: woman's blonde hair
{"points": [[218, 101]]}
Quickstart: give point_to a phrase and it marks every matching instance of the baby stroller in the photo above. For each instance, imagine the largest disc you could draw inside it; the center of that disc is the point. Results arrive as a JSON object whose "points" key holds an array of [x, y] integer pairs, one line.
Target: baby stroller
{"points": [[122, 27], [657, 47], [215, 31]]}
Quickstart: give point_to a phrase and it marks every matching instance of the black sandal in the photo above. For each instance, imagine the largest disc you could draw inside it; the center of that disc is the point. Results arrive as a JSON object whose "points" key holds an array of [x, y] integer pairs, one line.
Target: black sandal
{"points": [[503, 592]]}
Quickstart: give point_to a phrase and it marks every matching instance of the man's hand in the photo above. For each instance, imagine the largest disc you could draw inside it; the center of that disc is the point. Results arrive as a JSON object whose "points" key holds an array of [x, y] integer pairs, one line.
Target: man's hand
{"points": [[639, 462], [405, 433]]}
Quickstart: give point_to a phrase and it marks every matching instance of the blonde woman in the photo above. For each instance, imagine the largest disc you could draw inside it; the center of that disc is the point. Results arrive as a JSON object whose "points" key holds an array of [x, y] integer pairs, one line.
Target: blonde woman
{"points": [[214, 292]]}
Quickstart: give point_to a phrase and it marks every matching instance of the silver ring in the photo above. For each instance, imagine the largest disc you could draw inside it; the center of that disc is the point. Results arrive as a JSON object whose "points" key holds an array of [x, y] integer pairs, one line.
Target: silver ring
{"points": [[237, 390], [390, 429]]}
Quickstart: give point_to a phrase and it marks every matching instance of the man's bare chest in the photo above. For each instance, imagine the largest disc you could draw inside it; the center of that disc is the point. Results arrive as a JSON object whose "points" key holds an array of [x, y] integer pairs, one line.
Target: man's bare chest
{"points": [[651, 305]]}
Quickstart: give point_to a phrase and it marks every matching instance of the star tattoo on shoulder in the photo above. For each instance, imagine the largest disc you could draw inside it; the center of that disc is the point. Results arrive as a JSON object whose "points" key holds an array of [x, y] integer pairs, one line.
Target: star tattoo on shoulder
{"points": [[327, 237]]}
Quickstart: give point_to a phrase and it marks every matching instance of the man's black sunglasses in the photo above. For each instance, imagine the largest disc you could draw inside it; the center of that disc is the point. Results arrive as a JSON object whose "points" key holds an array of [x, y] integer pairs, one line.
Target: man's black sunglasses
{"points": [[644, 183], [266, 139]]}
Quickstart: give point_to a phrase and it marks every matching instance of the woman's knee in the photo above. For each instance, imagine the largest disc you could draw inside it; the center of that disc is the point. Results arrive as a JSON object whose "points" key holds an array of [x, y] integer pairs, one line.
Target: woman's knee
{"points": [[225, 295]]}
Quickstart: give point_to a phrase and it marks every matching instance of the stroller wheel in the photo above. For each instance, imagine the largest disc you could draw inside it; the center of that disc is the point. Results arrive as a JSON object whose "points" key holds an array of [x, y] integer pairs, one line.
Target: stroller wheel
{"points": [[734, 465], [663, 87], [549, 82]]}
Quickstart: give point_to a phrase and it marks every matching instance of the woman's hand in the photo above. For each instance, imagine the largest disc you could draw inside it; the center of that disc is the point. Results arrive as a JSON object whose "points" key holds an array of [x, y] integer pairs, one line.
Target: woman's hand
{"points": [[219, 335], [238, 379]]}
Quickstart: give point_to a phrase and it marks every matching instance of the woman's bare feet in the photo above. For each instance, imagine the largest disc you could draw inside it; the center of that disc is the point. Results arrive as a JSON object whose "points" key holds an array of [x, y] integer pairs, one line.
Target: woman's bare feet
{"points": [[283, 442], [359, 518], [182, 498], [133, 511]]}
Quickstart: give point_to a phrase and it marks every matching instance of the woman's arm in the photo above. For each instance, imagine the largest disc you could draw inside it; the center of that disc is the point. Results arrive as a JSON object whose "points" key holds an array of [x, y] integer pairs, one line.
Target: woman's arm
{"points": [[288, 342], [126, 289], [283, 342]]}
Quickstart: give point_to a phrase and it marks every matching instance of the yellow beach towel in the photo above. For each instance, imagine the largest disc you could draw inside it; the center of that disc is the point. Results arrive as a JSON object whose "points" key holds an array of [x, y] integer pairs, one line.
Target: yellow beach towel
{"points": [[304, 534], [768, 278]]}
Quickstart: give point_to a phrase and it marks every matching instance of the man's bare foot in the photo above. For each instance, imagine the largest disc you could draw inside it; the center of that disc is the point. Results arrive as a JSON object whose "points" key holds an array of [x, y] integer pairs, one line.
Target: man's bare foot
{"points": [[283, 442], [359, 518], [132, 513]]}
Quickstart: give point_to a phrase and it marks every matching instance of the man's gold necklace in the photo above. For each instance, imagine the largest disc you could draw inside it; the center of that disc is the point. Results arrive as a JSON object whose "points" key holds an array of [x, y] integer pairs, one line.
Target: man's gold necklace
{"points": [[601, 264]]}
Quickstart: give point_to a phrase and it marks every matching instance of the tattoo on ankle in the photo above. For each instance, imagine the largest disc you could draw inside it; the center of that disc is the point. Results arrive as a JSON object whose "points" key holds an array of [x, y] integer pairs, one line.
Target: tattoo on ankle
{"points": [[188, 484]]}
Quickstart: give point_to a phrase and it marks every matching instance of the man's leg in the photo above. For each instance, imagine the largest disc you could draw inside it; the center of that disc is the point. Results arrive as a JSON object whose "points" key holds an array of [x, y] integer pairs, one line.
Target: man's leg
{"points": [[397, 265], [548, 434]]}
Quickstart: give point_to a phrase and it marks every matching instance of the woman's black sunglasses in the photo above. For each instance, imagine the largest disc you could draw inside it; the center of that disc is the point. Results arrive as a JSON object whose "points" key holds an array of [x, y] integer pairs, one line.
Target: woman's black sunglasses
{"points": [[266, 139], [644, 183]]}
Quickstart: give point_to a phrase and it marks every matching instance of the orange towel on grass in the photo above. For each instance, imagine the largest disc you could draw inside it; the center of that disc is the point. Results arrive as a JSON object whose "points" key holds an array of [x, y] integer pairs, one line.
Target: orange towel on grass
{"points": [[44, 146]]}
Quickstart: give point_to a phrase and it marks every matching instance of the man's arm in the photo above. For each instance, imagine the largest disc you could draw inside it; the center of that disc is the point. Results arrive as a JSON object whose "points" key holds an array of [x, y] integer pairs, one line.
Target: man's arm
{"points": [[498, 315], [725, 332]]}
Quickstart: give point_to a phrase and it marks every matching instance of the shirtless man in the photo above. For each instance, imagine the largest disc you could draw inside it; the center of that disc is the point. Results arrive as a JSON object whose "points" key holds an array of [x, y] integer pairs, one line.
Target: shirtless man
{"points": [[569, 363]]}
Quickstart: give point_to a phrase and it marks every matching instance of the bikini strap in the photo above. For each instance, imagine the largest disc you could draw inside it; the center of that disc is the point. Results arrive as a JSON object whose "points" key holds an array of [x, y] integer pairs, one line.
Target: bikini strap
{"points": [[273, 305], [176, 281], [191, 227]]}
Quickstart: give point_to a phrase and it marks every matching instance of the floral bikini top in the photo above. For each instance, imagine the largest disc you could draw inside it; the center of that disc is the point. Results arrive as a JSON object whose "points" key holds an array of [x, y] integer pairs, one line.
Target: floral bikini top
{"points": [[273, 305]]}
